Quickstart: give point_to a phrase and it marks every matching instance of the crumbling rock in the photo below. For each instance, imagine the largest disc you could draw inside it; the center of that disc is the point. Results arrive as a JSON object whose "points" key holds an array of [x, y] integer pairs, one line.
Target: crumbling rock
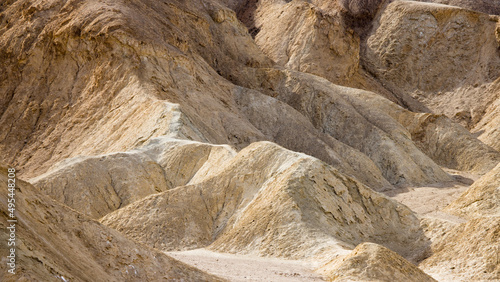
{"points": [[54, 243], [372, 262], [272, 202], [481, 199]]}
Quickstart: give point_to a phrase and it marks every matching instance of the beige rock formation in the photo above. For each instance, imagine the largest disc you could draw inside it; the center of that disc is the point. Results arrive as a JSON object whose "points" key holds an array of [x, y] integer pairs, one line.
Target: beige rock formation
{"points": [[122, 86], [282, 123], [96, 186], [445, 56], [272, 202], [469, 252], [447, 143], [302, 37], [56, 243], [481, 199], [376, 134], [151, 115], [424, 59], [159, 98], [372, 262], [318, 37], [435, 228], [485, 6]]}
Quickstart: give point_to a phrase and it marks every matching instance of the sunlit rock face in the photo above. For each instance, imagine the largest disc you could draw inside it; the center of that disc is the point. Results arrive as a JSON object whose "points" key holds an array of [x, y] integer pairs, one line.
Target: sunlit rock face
{"points": [[263, 128]]}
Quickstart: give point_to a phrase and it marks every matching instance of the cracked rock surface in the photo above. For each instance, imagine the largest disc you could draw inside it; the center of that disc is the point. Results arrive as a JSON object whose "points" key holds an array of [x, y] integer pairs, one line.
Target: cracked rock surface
{"points": [[359, 139]]}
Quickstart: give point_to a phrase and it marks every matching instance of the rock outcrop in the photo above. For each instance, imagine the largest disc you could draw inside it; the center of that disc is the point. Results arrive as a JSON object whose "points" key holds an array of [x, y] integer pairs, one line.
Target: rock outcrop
{"points": [[467, 252], [481, 199], [56, 243], [445, 56], [445, 142], [96, 186], [301, 36], [251, 127], [372, 262], [272, 202], [160, 98]]}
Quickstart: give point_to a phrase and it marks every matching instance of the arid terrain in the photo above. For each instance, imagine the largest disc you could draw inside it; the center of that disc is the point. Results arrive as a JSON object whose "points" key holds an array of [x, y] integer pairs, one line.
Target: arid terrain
{"points": [[250, 140]]}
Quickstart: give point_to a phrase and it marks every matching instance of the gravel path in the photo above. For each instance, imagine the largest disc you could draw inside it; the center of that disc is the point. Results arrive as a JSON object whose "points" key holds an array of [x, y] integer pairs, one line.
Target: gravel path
{"points": [[248, 268]]}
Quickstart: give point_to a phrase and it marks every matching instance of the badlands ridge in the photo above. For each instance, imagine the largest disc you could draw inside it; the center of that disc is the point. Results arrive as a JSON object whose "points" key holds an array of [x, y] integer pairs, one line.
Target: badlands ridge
{"points": [[334, 140]]}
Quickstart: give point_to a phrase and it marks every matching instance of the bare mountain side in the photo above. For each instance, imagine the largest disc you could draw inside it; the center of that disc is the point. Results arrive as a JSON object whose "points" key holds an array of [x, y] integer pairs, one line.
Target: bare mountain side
{"points": [[321, 38], [481, 199], [122, 85], [485, 6], [310, 40], [271, 202], [468, 252], [96, 186], [165, 90], [282, 123], [372, 262], [164, 98], [55, 243], [376, 133], [447, 143], [252, 127], [446, 57]]}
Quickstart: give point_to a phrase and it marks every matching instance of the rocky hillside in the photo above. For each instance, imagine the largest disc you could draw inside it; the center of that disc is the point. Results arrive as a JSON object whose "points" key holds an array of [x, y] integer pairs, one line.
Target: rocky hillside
{"points": [[263, 128], [56, 243]]}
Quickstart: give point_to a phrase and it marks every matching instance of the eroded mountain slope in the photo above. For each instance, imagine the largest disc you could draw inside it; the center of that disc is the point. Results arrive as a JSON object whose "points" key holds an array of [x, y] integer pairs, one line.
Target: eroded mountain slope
{"points": [[137, 94], [54, 243], [372, 262], [165, 87], [96, 186], [272, 202], [467, 252], [481, 199], [445, 56]]}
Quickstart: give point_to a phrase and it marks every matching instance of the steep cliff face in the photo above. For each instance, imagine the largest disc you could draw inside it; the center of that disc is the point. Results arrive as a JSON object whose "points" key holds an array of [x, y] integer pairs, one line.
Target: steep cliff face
{"points": [[301, 36]]}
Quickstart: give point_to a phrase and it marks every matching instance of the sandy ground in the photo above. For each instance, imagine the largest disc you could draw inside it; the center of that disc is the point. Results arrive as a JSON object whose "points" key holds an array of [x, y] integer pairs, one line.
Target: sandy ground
{"points": [[428, 201], [248, 268]]}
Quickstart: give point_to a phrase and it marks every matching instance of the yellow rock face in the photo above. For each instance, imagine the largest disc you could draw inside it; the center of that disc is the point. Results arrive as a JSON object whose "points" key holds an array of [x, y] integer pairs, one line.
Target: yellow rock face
{"points": [[257, 128], [54, 242], [372, 262], [446, 57], [272, 202], [481, 199]]}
